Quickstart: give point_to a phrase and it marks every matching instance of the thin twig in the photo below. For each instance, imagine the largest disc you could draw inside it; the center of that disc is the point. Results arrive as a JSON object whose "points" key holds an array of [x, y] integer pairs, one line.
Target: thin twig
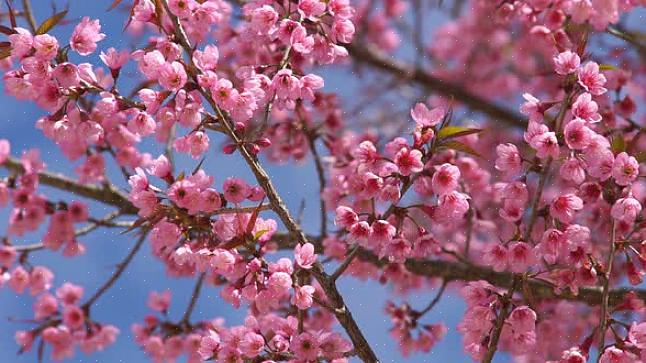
{"points": [[81, 231], [29, 15], [545, 172], [500, 322], [345, 264], [194, 296], [436, 299], [603, 319], [121, 267], [320, 172]]}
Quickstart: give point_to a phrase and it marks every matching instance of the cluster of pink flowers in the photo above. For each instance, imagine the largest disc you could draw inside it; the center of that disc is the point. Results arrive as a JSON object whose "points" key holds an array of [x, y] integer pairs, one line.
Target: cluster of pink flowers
{"points": [[478, 323]]}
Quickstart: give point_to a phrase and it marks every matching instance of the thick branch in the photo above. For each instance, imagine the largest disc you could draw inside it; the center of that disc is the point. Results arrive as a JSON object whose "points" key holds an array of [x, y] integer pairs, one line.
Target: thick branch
{"points": [[107, 194], [457, 271], [380, 61]]}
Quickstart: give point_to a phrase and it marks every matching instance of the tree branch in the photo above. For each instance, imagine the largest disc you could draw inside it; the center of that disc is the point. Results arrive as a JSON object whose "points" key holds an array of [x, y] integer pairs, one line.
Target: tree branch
{"points": [[380, 61], [194, 296], [107, 194], [457, 271], [603, 319], [121, 267], [342, 313]]}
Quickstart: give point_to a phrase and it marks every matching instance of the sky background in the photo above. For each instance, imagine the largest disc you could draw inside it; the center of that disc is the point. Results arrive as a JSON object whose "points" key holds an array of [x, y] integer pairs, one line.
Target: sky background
{"points": [[125, 303]]}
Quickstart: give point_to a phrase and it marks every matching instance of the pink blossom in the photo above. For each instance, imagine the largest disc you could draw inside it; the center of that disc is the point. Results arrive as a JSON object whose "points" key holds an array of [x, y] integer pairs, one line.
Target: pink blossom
{"points": [[585, 108], [573, 170], [425, 117], [305, 256], [345, 216], [521, 256], [303, 297], [542, 140], [142, 123], [40, 279], [359, 233], [19, 279], [616, 355], [7, 256], [532, 108], [114, 59], [311, 8], [551, 244], [67, 75], [46, 46], [591, 79], [522, 319], [286, 85], [182, 8], [409, 161], [25, 339], [45, 306], [85, 36], [69, 294], [235, 190], [172, 76], [565, 206], [73, 317], [159, 301], [445, 179], [626, 209], [453, 206], [263, 19], [21, 42], [5, 150], [577, 135], [207, 60], [209, 345], [566, 63], [279, 283], [509, 159], [496, 256], [625, 169], [305, 346], [252, 344], [637, 335]]}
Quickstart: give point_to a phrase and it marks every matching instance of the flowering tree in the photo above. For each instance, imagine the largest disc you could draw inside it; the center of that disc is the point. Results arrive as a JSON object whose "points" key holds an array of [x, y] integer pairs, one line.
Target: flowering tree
{"points": [[535, 218]]}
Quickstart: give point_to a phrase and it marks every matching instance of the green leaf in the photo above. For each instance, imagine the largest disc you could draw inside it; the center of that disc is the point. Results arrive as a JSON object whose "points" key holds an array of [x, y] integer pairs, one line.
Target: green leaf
{"points": [[456, 131], [48, 24], [458, 146], [607, 67], [641, 157], [618, 144], [259, 234]]}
